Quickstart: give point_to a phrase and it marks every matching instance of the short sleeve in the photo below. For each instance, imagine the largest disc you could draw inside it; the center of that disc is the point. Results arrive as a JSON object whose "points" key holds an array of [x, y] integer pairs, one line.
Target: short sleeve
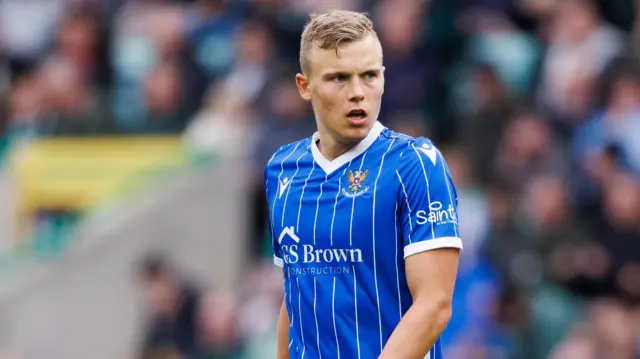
{"points": [[428, 200], [270, 190]]}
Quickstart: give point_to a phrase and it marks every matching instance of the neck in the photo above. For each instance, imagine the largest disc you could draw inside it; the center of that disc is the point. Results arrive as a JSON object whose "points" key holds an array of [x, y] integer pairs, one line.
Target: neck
{"points": [[331, 148]]}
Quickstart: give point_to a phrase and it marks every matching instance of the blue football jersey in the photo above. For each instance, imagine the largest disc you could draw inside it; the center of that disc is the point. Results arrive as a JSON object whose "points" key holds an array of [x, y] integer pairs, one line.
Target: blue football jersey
{"points": [[342, 229]]}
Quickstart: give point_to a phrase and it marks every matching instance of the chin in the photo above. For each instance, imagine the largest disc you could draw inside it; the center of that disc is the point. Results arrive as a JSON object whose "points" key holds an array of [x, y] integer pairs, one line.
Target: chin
{"points": [[353, 134]]}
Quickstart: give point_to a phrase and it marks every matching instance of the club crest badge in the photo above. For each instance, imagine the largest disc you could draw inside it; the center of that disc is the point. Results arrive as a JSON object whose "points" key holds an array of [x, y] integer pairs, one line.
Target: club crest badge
{"points": [[357, 185]]}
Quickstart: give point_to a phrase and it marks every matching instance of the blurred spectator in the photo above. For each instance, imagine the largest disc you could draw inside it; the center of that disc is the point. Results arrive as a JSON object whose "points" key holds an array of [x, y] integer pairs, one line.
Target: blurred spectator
{"points": [[512, 52], [619, 233], [212, 36], [608, 334], [153, 38], [528, 147], [262, 297], [219, 330], [473, 206], [285, 117], [78, 40], [173, 304], [224, 124], [410, 72], [164, 99], [579, 347], [616, 124], [580, 45], [25, 108], [491, 110], [25, 27], [74, 106]]}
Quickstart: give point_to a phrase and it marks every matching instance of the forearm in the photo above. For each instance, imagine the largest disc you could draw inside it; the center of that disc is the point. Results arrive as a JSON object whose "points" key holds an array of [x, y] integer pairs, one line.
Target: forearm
{"points": [[283, 333], [418, 330]]}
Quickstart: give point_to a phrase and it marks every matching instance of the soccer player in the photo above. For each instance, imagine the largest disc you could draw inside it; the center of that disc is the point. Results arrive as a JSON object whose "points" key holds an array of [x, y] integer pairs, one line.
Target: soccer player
{"points": [[363, 219]]}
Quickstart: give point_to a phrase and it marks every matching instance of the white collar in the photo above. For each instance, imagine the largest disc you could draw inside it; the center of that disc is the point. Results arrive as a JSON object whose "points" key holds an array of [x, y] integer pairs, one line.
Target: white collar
{"points": [[330, 166]]}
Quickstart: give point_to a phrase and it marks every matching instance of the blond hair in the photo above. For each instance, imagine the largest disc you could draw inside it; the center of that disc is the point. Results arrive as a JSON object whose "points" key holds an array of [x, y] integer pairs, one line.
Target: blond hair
{"points": [[331, 29]]}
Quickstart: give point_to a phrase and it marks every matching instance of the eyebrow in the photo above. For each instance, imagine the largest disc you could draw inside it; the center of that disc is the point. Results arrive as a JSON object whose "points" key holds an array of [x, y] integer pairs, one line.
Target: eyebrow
{"points": [[331, 74]]}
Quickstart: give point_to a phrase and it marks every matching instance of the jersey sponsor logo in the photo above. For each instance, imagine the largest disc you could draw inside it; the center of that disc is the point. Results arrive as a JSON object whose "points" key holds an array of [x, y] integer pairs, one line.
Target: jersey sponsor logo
{"points": [[288, 232], [437, 215], [316, 260], [356, 181], [307, 253]]}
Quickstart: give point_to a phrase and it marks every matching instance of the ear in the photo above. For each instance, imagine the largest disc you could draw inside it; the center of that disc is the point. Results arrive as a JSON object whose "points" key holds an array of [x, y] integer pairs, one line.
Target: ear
{"points": [[302, 82]]}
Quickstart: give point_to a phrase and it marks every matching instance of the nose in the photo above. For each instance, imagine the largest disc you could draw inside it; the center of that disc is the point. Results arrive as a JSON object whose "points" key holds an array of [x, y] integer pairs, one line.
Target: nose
{"points": [[356, 92]]}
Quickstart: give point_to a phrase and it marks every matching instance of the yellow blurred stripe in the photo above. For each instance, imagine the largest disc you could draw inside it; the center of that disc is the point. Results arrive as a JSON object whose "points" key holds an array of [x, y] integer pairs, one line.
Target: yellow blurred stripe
{"points": [[79, 173]]}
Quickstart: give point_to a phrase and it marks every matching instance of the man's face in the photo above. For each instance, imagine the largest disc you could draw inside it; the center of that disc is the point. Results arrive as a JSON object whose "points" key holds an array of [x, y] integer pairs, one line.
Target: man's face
{"points": [[162, 296], [345, 89]]}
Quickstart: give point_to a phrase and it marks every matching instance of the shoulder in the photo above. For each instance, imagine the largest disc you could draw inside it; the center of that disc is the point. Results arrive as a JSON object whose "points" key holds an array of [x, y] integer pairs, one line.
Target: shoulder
{"points": [[410, 152], [286, 153]]}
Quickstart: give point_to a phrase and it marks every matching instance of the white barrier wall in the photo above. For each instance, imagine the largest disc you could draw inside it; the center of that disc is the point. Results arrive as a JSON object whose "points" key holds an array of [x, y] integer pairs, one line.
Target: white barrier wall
{"points": [[87, 306], [7, 205]]}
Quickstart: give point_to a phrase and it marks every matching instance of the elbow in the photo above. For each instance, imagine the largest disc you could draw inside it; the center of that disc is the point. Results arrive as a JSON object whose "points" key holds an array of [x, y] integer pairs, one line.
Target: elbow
{"points": [[443, 313], [436, 310]]}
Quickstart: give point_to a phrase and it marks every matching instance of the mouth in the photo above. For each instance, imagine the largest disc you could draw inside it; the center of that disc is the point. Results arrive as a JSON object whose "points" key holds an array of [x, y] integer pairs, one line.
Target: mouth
{"points": [[357, 116]]}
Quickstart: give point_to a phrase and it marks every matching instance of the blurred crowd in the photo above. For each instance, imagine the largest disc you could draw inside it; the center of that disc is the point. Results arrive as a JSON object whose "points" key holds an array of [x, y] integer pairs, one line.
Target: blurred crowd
{"points": [[535, 103]]}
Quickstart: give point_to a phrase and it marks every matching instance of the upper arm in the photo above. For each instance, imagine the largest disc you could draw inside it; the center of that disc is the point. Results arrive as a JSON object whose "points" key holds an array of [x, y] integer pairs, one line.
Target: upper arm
{"points": [[431, 275], [428, 201]]}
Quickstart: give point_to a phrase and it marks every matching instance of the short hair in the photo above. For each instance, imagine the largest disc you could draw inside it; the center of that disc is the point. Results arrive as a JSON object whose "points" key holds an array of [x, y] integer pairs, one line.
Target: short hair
{"points": [[154, 266], [332, 28]]}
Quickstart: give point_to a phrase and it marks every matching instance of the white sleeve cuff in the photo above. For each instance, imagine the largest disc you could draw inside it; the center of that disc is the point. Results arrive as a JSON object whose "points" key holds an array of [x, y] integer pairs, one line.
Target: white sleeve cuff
{"points": [[430, 244], [278, 261]]}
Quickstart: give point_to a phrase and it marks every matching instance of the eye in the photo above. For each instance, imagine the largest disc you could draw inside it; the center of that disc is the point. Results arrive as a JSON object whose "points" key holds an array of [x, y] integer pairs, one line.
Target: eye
{"points": [[370, 75], [340, 78]]}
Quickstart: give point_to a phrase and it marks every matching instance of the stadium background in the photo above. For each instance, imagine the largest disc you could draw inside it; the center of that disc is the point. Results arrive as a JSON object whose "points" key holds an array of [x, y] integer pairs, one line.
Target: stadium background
{"points": [[136, 130]]}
